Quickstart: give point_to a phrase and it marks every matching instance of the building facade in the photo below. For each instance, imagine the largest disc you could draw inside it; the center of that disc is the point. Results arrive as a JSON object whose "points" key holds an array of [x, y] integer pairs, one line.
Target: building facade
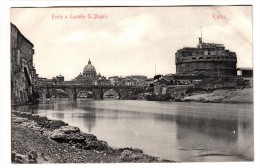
{"points": [[22, 69]]}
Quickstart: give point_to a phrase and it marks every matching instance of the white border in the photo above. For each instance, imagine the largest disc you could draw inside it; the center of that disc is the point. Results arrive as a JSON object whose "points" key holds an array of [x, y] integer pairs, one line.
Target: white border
{"points": [[5, 130]]}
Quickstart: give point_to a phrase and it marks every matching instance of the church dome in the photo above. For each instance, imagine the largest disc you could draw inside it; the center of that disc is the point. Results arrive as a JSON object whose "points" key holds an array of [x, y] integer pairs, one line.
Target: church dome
{"points": [[89, 70]]}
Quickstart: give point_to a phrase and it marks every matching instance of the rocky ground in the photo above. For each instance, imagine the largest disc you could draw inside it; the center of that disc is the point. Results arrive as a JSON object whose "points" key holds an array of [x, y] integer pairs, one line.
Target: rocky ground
{"points": [[36, 139], [223, 96]]}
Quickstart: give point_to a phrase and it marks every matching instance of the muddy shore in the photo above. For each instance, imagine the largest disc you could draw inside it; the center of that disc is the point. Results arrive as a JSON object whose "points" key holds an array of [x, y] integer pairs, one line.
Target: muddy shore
{"points": [[36, 139]]}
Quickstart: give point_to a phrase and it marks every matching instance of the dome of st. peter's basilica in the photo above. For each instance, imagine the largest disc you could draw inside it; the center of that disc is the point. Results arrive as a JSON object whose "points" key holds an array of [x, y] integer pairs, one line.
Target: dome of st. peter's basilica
{"points": [[89, 70]]}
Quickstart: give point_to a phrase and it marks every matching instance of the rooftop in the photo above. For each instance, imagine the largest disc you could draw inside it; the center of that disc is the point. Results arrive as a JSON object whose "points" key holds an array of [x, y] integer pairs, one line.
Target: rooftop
{"points": [[245, 69]]}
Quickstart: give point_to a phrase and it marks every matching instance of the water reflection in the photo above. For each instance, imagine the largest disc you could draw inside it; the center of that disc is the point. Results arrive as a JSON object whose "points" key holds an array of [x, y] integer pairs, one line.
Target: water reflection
{"points": [[216, 128], [176, 131], [164, 117], [31, 109], [89, 120], [214, 137], [59, 116]]}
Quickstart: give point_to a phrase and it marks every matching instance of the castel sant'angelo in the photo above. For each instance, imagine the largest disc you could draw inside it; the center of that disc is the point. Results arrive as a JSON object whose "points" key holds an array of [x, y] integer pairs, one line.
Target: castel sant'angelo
{"points": [[208, 58]]}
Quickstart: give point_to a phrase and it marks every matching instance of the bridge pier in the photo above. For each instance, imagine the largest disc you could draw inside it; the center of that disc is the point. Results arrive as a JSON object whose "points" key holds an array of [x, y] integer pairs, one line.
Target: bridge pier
{"points": [[43, 96], [99, 96], [72, 97], [98, 92]]}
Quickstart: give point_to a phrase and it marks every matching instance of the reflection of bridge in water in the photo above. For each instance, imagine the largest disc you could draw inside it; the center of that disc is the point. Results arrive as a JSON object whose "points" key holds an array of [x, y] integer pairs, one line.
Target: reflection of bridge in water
{"points": [[98, 90]]}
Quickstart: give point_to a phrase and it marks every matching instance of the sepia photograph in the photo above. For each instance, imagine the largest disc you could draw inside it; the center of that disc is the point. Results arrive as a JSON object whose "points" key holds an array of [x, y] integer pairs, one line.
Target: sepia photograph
{"points": [[143, 84]]}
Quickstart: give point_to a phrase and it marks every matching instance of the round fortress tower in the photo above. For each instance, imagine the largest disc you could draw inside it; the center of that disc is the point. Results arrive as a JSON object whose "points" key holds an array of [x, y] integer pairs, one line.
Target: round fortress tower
{"points": [[208, 58]]}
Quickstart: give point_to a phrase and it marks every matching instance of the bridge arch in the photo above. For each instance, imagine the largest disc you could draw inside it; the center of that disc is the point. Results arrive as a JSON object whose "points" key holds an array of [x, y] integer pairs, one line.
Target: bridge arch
{"points": [[86, 90], [47, 93], [52, 91], [40, 91], [116, 90]]}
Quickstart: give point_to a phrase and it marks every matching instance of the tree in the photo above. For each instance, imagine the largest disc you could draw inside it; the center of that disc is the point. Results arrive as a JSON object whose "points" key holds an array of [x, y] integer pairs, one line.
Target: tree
{"points": [[157, 77]]}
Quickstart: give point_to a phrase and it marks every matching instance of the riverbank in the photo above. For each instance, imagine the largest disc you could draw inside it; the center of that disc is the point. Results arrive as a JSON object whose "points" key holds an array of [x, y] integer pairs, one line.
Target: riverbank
{"points": [[222, 96], [36, 139], [216, 96]]}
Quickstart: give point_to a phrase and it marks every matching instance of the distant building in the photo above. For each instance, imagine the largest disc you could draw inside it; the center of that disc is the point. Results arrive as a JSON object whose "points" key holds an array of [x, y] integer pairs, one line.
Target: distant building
{"points": [[58, 78], [245, 72], [134, 80], [103, 81], [44, 81], [138, 77], [207, 58], [114, 80], [247, 75], [22, 70], [130, 81]]}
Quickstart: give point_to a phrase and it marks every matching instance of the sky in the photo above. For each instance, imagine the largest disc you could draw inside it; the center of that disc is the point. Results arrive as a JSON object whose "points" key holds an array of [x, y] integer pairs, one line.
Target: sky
{"points": [[129, 40]]}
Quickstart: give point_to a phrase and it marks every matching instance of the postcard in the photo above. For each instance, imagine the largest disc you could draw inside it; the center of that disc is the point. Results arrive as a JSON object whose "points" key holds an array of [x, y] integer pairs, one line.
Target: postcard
{"points": [[132, 84]]}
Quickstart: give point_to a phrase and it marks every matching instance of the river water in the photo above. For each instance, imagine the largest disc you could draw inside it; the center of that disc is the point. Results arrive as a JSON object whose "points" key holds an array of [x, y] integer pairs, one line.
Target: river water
{"points": [[179, 131]]}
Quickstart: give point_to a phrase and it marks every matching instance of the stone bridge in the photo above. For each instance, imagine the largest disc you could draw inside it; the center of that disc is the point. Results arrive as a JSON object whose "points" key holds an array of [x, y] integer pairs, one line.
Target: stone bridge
{"points": [[98, 90]]}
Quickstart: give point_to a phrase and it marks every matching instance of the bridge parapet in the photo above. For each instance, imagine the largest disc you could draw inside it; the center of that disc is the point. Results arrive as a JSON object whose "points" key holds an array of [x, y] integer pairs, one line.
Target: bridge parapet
{"points": [[88, 86]]}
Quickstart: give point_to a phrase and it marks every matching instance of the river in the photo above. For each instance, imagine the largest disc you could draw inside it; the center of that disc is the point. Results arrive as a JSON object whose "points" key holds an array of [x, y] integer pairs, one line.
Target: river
{"points": [[179, 131]]}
